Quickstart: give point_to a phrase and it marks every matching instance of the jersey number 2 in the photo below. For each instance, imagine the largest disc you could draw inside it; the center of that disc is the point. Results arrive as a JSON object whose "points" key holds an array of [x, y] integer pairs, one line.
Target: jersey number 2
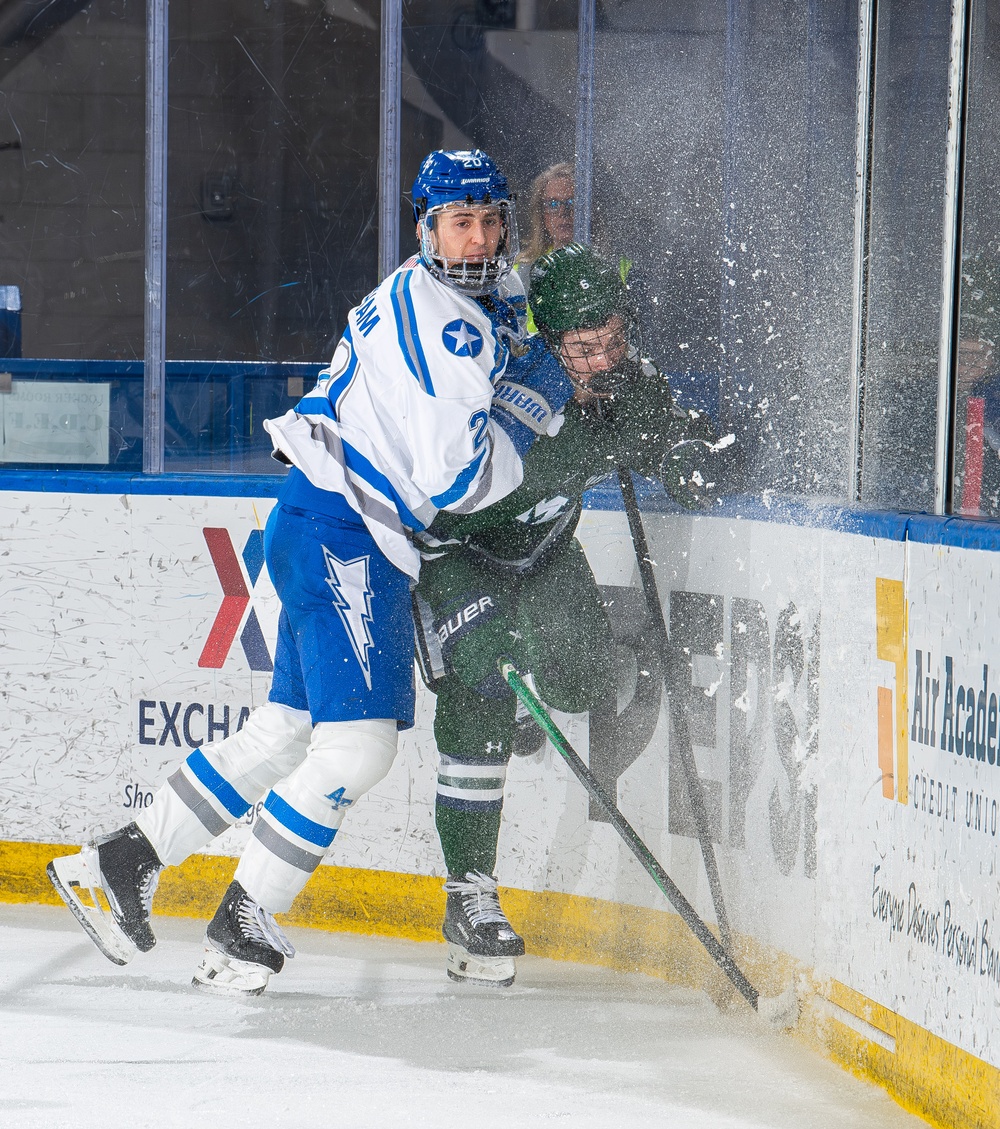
{"points": [[477, 423]]}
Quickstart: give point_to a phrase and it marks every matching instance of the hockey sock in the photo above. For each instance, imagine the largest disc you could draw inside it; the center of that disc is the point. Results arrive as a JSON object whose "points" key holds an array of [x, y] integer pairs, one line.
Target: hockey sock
{"points": [[475, 736], [219, 783], [468, 839]]}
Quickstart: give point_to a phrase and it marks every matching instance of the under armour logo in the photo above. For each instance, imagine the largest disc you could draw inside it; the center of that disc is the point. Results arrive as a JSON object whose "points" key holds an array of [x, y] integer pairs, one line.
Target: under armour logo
{"points": [[494, 747]]}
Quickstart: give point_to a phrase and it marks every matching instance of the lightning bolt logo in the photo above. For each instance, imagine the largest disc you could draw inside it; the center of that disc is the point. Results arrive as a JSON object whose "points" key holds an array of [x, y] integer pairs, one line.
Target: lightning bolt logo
{"points": [[352, 597], [548, 509]]}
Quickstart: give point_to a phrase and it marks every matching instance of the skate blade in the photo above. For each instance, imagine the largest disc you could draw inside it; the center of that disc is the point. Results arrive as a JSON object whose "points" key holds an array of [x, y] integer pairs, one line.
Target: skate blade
{"points": [[226, 976], [495, 972], [72, 874]]}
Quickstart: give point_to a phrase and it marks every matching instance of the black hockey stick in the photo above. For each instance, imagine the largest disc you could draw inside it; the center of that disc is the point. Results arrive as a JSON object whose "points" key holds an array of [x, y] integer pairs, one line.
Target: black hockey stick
{"points": [[677, 715], [781, 1010]]}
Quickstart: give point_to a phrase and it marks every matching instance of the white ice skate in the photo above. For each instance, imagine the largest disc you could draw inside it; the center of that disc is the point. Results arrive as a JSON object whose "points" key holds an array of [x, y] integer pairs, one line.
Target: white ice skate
{"points": [[72, 875], [227, 976], [498, 972], [109, 886]]}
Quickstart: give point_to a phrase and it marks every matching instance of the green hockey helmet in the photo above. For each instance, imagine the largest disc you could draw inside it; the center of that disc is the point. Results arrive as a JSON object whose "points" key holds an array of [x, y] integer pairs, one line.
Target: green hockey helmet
{"points": [[582, 309], [574, 288]]}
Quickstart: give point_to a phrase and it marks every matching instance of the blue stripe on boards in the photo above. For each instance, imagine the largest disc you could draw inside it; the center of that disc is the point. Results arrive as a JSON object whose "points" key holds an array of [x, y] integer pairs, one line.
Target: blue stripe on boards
{"points": [[296, 822], [220, 788], [460, 486]]}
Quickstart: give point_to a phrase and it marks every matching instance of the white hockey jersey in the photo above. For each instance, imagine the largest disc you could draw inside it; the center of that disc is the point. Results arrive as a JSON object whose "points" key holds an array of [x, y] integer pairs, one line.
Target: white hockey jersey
{"points": [[400, 422]]}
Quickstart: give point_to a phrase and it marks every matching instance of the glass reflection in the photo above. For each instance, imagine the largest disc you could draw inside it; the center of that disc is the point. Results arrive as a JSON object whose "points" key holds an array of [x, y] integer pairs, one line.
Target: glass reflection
{"points": [[72, 135], [904, 310], [976, 488]]}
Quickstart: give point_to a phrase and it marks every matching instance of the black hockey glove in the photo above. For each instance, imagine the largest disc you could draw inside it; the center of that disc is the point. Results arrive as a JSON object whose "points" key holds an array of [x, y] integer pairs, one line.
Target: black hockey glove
{"points": [[692, 472]]}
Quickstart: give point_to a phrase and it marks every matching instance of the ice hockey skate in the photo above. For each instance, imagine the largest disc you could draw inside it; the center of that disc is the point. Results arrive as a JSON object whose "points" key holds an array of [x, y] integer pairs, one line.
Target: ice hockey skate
{"points": [[109, 886], [244, 945], [482, 943]]}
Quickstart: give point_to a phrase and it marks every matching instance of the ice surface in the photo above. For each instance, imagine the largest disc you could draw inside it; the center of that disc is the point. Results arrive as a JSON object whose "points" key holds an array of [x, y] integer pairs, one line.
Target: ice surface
{"points": [[364, 1032]]}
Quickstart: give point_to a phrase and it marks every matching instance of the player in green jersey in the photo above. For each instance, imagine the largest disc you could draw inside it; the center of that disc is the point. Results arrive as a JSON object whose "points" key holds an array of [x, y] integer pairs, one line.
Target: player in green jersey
{"points": [[513, 581]]}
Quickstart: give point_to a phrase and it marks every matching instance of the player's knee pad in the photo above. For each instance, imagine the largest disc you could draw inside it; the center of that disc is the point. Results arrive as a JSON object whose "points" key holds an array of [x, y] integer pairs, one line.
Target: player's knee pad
{"points": [[219, 783], [344, 760], [271, 744], [302, 813]]}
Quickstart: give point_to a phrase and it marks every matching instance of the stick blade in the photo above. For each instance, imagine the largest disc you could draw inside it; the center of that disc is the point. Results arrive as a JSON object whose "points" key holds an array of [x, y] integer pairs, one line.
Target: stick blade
{"points": [[780, 1011]]}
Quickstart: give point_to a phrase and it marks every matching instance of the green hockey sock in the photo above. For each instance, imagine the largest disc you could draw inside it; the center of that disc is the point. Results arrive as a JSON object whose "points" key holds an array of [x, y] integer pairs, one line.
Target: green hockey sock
{"points": [[468, 839]]}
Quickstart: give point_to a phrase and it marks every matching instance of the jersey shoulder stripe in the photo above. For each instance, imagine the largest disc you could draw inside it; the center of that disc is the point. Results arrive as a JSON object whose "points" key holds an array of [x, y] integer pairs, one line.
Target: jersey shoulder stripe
{"points": [[407, 332]]}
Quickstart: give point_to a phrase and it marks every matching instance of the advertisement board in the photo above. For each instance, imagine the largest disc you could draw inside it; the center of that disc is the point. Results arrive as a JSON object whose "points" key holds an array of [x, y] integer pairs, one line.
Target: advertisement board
{"points": [[839, 692]]}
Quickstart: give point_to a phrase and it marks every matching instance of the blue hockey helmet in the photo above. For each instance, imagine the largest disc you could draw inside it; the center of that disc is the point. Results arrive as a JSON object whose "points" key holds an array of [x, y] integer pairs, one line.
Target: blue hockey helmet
{"points": [[467, 178]]}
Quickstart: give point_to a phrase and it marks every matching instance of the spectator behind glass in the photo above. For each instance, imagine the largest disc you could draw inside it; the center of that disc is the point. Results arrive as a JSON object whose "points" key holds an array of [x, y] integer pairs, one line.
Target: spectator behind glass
{"points": [[978, 385], [550, 212]]}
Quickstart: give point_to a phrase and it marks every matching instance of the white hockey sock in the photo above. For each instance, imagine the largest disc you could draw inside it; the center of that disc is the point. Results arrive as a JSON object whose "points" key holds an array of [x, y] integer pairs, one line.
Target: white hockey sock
{"points": [[302, 812], [219, 783], [469, 785]]}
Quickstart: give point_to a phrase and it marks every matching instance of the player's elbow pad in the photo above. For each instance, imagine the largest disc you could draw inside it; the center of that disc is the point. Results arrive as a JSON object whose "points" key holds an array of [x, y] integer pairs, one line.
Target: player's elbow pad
{"points": [[524, 414]]}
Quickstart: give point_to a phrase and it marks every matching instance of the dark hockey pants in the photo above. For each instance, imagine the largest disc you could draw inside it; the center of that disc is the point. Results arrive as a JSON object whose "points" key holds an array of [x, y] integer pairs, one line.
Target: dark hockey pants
{"points": [[549, 623]]}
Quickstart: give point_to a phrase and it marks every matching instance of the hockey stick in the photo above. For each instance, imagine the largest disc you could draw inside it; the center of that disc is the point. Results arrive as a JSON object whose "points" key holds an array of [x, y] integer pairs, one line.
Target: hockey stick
{"points": [[685, 747], [781, 1010]]}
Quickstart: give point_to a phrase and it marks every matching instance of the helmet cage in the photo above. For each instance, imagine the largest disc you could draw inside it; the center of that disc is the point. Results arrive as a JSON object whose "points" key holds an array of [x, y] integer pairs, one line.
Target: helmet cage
{"points": [[471, 276], [584, 353]]}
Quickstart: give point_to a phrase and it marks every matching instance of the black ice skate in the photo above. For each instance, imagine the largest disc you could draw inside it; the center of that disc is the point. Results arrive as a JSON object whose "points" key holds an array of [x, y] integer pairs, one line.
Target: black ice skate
{"points": [[482, 943], [124, 868], [243, 946]]}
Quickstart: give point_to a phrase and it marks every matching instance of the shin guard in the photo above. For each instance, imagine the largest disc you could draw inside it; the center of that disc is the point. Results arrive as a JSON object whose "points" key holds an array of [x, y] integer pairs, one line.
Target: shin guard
{"points": [[219, 783], [302, 813]]}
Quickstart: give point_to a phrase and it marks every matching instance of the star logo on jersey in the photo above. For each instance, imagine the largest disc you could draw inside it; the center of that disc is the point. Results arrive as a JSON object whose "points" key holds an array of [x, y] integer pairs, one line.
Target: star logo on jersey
{"points": [[462, 338], [350, 584]]}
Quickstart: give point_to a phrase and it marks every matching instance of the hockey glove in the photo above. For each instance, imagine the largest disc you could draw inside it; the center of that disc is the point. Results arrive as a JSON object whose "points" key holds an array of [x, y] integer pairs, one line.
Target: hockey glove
{"points": [[692, 471]]}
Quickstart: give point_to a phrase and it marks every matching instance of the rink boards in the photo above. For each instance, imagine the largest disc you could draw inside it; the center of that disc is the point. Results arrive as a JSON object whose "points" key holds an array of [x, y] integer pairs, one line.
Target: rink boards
{"points": [[841, 693]]}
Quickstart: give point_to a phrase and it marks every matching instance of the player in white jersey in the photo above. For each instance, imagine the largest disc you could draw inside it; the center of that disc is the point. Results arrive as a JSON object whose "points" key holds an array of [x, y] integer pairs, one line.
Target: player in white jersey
{"points": [[402, 425]]}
